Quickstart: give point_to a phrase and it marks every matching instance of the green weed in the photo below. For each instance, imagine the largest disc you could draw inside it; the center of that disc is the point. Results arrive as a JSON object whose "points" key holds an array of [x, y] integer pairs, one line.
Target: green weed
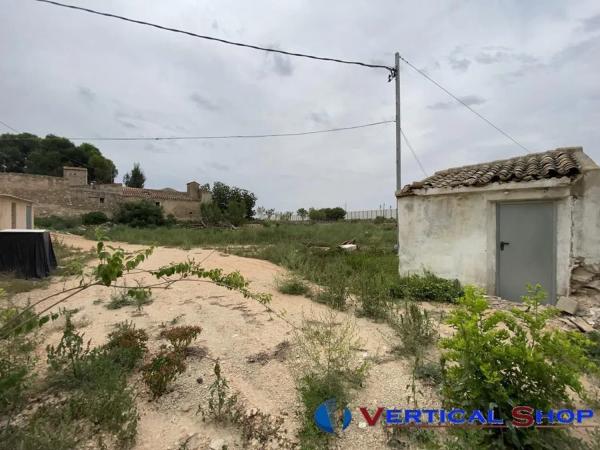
{"points": [[292, 285]]}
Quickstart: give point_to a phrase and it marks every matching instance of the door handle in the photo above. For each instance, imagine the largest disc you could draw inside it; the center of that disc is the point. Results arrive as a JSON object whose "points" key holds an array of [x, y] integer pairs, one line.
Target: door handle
{"points": [[503, 244]]}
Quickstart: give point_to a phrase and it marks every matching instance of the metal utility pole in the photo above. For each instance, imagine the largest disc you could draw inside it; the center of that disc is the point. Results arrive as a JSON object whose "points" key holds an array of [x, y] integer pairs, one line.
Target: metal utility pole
{"points": [[398, 127]]}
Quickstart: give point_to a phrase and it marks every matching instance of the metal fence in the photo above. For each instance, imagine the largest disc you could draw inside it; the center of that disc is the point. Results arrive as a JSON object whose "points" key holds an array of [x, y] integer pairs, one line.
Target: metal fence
{"points": [[366, 214]]}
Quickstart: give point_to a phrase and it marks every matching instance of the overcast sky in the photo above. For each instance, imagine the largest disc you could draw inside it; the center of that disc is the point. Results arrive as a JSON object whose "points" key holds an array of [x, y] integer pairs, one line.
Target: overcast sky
{"points": [[530, 67]]}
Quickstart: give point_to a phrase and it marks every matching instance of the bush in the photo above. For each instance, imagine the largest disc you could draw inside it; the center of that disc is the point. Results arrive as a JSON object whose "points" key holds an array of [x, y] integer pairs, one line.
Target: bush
{"points": [[94, 218], [137, 297], [373, 295], [140, 214], [126, 345], [211, 214], [162, 370], [292, 284], [427, 287], [415, 329], [506, 358], [57, 223], [181, 337]]}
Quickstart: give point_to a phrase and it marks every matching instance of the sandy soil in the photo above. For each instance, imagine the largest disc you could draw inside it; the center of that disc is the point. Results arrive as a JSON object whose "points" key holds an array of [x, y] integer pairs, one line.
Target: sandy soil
{"points": [[234, 328]]}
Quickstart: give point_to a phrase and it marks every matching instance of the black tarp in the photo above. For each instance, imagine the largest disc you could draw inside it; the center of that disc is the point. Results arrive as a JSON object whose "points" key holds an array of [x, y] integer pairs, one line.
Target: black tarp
{"points": [[27, 253]]}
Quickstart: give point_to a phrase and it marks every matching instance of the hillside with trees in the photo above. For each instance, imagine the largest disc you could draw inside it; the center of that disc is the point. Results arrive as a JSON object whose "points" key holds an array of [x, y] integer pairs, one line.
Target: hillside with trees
{"points": [[28, 153]]}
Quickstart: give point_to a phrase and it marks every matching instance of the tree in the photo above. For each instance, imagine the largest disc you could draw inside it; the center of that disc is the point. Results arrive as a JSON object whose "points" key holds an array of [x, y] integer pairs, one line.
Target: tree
{"points": [[270, 213], [140, 214], [223, 195], [27, 153], [211, 214], [236, 211], [135, 178], [332, 214], [302, 213]]}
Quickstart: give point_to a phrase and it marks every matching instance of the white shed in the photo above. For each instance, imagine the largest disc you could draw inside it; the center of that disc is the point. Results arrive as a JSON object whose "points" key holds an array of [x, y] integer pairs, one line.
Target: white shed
{"points": [[504, 224], [15, 213]]}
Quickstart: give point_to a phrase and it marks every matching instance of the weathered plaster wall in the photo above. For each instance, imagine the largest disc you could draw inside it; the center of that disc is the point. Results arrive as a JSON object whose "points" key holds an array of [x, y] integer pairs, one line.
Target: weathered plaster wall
{"points": [[454, 234], [6, 213], [586, 214]]}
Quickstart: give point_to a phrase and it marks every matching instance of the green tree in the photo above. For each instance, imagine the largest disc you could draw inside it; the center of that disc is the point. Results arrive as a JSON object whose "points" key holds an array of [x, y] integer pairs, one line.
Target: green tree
{"points": [[140, 214], [28, 153], [303, 213], [135, 178], [211, 214], [236, 212], [223, 195]]}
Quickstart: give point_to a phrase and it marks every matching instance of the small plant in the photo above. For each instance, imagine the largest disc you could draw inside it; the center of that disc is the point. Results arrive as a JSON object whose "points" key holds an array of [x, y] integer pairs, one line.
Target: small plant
{"points": [[373, 295], [127, 345], [162, 370], [70, 352], [292, 285], [222, 406], [426, 287], [429, 372], [137, 297], [181, 337], [335, 291], [414, 328]]}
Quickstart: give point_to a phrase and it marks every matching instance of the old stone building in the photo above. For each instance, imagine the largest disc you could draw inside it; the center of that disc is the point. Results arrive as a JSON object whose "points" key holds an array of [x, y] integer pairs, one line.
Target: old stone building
{"points": [[503, 224], [72, 194]]}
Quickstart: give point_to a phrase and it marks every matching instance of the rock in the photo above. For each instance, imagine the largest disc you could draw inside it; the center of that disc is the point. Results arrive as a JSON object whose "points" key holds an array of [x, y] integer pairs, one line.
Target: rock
{"points": [[199, 380], [362, 425], [581, 324], [594, 285], [580, 275], [567, 305], [217, 444], [186, 408]]}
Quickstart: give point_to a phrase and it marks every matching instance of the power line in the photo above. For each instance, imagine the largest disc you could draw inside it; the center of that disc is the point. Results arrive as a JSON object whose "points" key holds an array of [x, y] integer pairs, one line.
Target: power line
{"points": [[190, 138], [8, 126], [223, 41], [412, 150], [489, 122]]}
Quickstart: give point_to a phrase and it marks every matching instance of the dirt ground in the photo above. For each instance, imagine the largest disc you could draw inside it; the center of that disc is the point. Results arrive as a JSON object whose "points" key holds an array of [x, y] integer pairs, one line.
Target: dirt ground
{"points": [[234, 329]]}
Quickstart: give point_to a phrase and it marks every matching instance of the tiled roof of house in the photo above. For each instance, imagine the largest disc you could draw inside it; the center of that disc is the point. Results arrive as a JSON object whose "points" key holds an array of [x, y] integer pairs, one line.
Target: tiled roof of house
{"points": [[154, 194], [561, 162]]}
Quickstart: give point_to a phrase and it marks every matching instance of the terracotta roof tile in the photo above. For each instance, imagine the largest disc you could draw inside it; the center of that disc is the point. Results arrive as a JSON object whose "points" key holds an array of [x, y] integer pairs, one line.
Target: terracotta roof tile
{"points": [[551, 164]]}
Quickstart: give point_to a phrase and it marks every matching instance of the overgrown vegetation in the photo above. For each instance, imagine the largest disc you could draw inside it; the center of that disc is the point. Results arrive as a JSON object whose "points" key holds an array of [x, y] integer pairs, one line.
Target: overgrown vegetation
{"points": [[292, 284], [181, 337], [141, 214], [162, 370], [137, 296], [94, 218], [427, 287], [327, 367], [499, 359]]}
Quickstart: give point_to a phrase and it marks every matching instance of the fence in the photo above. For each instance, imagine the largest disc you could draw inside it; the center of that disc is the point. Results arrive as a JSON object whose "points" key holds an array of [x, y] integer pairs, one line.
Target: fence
{"points": [[366, 214]]}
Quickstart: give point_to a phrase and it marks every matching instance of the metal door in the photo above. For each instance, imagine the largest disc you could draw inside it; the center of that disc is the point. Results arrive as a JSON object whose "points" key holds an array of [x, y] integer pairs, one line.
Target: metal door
{"points": [[28, 217], [526, 248], [13, 215]]}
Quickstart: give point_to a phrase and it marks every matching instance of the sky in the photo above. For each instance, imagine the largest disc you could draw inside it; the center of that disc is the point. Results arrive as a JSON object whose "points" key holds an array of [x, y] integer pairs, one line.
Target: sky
{"points": [[529, 67]]}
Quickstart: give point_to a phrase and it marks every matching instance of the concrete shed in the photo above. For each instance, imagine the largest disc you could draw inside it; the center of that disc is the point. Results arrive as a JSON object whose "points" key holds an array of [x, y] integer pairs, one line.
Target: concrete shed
{"points": [[504, 224], [15, 213]]}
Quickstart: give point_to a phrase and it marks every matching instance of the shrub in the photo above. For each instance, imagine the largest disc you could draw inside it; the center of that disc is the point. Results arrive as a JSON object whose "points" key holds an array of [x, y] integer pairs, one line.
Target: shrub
{"points": [[236, 212], [57, 223], [506, 358], [181, 337], [373, 295], [140, 214], [415, 329], [335, 289], [292, 284], [162, 370], [70, 353], [327, 367], [211, 213], [137, 297], [126, 345], [222, 406], [427, 287], [430, 372], [94, 218]]}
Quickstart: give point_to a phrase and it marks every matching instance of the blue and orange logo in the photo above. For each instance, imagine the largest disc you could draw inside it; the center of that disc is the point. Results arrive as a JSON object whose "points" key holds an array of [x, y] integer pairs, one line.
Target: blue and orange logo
{"points": [[330, 419]]}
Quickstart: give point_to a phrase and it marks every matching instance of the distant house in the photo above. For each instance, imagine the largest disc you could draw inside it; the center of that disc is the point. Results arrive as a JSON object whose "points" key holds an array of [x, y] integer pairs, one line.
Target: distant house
{"points": [[500, 225], [72, 195], [15, 213]]}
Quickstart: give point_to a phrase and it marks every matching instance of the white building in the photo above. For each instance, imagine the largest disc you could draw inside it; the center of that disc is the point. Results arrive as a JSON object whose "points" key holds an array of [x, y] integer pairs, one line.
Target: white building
{"points": [[500, 225]]}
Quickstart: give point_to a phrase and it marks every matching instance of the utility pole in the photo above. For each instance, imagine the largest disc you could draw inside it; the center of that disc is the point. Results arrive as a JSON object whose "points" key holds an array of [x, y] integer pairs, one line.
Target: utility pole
{"points": [[398, 127]]}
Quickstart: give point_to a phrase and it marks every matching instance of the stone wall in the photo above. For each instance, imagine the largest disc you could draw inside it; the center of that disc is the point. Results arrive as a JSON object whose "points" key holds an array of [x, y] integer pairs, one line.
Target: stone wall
{"points": [[57, 196]]}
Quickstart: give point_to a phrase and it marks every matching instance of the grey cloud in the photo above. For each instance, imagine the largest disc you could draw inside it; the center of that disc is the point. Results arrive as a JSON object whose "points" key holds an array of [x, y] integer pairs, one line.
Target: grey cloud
{"points": [[492, 55], [86, 95], [215, 25], [218, 166], [282, 65], [459, 64], [591, 23], [470, 100], [321, 117], [204, 103], [576, 52]]}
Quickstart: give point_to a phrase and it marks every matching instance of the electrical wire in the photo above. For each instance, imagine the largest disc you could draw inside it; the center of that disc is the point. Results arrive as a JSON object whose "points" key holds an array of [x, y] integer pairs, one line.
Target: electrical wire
{"points": [[8, 126], [412, 150], [489, 122], [391, 70], [230, 136]]}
